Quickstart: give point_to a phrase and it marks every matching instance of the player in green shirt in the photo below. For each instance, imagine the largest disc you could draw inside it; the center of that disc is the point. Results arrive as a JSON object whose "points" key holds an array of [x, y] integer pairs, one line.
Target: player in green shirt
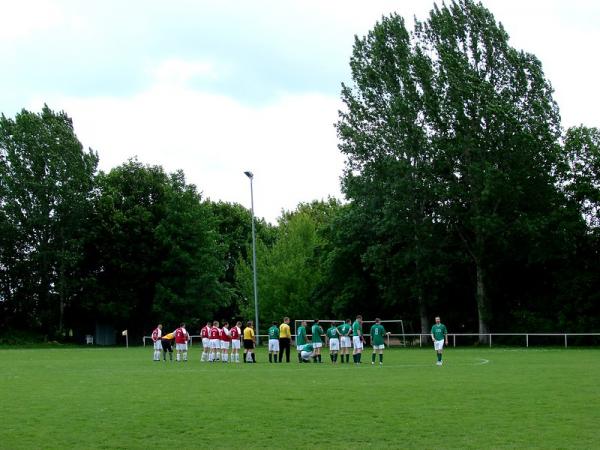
{"points": [[334, 342], [307, 353], [273, 333], [358, 339], [301, 339], [317, 331], [345, 341], [439, 334], [377, 334]]}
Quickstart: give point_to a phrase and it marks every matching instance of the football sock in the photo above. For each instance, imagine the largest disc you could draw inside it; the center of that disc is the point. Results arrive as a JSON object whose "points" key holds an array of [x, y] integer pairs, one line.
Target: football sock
{"points": [[439, 356], [381, 357], [185, 356], [347, 357], [299, 358], [373, 357], [253, 357], [270, 357], [331, 356]]}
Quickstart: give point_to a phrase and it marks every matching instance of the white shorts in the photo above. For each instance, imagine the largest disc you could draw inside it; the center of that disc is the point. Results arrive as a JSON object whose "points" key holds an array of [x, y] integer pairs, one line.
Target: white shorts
{"points": [[235, 344], [157, 345], [357, 342], [334, 344], [379, 347], [273, 345], [438, 345], [215, 343], [206, 343], [346, 342], [225, 345], [181, 347], [317, 344], [299, 347], [306, 355]]}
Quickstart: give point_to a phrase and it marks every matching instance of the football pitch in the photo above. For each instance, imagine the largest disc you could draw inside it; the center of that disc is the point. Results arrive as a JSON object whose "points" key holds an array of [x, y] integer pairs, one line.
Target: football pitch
{"points": [[480, 398]]}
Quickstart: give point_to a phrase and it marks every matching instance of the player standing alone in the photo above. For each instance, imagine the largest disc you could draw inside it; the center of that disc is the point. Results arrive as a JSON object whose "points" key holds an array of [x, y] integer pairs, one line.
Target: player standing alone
{"points": [[273, 333], [181, 343], [156, 335], [357, 339], [439, 334], [377, 333]]}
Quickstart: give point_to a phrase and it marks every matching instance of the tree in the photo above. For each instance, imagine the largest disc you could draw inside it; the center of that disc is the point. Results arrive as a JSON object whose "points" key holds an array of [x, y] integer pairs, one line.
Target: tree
{"points": [[46, 181], [153, 252], [452, 131]]}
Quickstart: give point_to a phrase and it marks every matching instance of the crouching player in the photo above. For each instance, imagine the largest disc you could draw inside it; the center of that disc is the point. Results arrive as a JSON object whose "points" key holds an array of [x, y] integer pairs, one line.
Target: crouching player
{"points": [[167, 345], [301, 339], [333, 335], [307, 353], [377, 333]]}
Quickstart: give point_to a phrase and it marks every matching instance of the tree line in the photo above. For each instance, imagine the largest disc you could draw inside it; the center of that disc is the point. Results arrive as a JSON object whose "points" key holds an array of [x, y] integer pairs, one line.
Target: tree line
{"points": [[465, 198]]}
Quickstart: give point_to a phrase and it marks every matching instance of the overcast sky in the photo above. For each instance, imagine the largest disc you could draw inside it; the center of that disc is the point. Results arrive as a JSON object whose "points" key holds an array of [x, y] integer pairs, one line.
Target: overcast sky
{"points": [[218, 87]]}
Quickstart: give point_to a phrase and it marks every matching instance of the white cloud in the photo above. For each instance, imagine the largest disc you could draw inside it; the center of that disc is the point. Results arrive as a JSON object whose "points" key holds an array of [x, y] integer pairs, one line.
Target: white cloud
{"points": [[290, 144], [20, 19]]}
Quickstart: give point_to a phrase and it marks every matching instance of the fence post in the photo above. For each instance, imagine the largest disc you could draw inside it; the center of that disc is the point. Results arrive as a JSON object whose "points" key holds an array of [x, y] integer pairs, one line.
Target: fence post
{"points": [[527, 340], [565, 340], [454, 340], [420, 340], [490, 340]]}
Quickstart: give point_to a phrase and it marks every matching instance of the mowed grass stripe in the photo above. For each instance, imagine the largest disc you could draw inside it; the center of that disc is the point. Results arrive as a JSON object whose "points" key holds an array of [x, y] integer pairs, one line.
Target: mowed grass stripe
{"points": [[119, 398]]}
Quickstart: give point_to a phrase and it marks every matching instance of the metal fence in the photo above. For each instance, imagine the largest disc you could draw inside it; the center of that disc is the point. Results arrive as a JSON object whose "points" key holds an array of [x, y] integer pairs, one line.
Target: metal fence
{"points": [[488, 338], [410, 339]]}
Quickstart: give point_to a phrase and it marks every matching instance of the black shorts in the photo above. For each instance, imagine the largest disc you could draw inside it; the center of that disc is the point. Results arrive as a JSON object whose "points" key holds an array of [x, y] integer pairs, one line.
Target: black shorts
{"points": [[248, 344], [166, 345]]}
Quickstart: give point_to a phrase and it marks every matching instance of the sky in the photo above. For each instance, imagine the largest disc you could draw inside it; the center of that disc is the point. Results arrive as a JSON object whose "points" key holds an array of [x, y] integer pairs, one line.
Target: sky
{"points": [[219, 87]]}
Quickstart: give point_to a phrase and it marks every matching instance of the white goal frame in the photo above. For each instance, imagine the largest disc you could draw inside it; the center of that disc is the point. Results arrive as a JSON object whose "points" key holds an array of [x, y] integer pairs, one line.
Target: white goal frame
{"points": [[400, 335]]}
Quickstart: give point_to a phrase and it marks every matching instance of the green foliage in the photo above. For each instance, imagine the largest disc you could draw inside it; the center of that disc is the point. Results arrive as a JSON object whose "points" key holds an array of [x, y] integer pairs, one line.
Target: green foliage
{"points": [[46, 180], [452, 144], [153, 252]]}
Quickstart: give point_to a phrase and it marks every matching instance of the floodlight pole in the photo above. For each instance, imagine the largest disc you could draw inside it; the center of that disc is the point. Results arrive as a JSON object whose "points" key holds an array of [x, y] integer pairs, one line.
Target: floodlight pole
{"points": [[251, 176]]}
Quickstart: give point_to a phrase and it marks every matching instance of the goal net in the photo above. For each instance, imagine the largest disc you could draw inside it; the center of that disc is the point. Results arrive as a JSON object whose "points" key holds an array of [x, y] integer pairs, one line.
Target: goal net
{"points": [[395, 327]]}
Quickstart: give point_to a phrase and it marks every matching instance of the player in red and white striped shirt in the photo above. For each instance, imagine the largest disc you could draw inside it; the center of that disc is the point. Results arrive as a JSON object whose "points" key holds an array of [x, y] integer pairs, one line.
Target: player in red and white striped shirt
{"points": [[225, 339], [236, 333], [215, 342], [156, 335], [204, 334]]}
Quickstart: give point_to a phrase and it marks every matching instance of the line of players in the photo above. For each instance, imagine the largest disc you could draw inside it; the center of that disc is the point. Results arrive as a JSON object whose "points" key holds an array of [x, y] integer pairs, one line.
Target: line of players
{"points": [[216, 341], [341, 339]]}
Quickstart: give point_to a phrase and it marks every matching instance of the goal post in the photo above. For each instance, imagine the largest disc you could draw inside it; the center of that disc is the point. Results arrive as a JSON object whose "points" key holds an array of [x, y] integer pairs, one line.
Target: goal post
{"points": [[395, 327]]}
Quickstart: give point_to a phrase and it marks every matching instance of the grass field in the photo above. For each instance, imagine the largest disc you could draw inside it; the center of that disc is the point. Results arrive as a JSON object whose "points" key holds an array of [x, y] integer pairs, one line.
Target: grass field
{"points": [[480, 398]]}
